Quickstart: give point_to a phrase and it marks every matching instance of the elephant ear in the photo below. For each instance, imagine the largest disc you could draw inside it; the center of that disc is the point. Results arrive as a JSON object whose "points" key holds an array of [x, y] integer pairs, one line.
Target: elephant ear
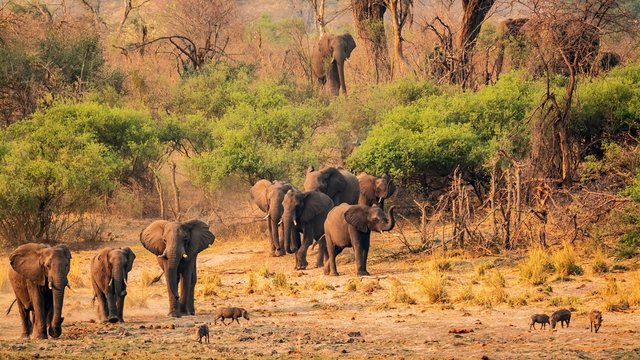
{"points": [[103, 259], [200, 238], [259, 194], [130, 258], [26, 261], [152, 239], [334, 179], [357, 216], [349, 44], [314, 204], [65, 250]]}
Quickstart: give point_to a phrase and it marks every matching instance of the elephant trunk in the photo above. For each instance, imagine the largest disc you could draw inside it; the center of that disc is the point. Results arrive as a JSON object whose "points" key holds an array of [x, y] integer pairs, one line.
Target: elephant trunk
{"points": [[55, 327], [289, 227], [391, 222], [116, 289], [171, 277]]}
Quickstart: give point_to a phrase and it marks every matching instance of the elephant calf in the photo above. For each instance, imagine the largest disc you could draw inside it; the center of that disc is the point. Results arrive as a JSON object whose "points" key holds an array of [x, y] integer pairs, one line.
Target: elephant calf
{"points": [[233, 313], [109, 272], [350, 226]]}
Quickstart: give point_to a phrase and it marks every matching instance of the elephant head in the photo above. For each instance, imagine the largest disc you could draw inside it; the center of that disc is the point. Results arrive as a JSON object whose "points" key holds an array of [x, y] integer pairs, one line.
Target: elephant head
{"points": [[384, 187], [268, 196], [117, 263], [327, 180], [374, 190], [328, 60], [47, 267], [370, 218], [297, 210], [175, 242]]}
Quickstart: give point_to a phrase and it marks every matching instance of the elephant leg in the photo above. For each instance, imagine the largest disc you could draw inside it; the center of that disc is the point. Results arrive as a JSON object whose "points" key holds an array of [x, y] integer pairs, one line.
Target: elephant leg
{"points": [[103, 313], [330, 265], [191, 309], [301, 255], [279, 240], [366, 243], [120, 305], [40, 315], [25, 316], [322, 252], [184, 290], [274, 246], [356, 242]]}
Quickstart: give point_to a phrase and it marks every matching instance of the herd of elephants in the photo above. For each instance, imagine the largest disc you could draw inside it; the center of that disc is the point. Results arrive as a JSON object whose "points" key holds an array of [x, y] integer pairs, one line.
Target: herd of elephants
{"points": [[337, 209]]}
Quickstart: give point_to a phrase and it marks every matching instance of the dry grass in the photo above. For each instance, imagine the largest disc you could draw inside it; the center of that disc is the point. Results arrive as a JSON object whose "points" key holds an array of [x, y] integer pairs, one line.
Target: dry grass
{"points": [[464, 293], [615, 299], [599, 265], [433, 285], [365, 287], [318, 285], [79, 275], [557, 301], [208, 285], [536, 267], [482, 267], [5, 284], [492, 291], [564, 261], [398, 294], [440, 262], [279, 281]]}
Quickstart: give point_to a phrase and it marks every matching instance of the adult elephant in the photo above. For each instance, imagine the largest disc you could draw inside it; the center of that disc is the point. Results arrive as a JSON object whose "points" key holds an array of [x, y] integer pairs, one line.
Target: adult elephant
{"points": [[341, 185], [38, 276], [328, 60], [351, 226], [306, 212], [375, 189], [268, 196], [109, 272], [177, 245]]}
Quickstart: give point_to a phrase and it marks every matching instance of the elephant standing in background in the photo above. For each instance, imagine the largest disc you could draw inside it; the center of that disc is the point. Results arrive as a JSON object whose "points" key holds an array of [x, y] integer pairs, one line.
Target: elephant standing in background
{"points": [[38, 276], [350, 226], [268, 196], [305, 212], [374, 190], [177, 245], [341, 185], [109, 272], [328, 60]]}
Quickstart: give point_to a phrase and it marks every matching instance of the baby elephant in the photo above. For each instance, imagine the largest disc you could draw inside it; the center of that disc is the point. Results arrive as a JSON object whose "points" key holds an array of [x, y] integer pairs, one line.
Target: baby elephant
{"points": [[109, 272], [562, 316], [232, 313], [595, 316], [538, 319], [203, 332]]}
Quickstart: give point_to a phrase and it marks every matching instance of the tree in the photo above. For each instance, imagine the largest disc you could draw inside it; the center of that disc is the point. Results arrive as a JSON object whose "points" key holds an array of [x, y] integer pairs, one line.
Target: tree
{"points": [[368, 16], [401, 12]]}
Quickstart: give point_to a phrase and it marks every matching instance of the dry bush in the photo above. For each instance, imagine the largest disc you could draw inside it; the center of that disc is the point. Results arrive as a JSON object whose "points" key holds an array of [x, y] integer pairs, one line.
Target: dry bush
{"points": [[279, 281], [464, 293], [5, 284], [615, 299], [208, 284], [433, 285], [492, 291], [599, 265], [536, 267], [564, 261], [398, 294]]}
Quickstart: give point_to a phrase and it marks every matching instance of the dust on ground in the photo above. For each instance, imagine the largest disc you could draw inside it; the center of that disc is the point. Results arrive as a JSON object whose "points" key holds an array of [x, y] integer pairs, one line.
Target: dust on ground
{"points": [[305, 314]]}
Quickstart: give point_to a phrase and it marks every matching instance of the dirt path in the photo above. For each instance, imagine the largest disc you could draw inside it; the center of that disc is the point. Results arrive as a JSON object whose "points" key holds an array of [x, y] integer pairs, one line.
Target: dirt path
{"points": [[306, 315]]}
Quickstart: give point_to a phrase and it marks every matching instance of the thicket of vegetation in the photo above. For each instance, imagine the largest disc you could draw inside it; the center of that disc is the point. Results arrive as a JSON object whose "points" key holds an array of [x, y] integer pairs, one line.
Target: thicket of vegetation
{"points": [[508, 148]]}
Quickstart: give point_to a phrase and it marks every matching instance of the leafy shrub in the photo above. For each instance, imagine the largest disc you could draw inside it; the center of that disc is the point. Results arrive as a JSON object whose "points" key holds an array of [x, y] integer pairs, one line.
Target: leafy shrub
{"points": [[599, 265], [628, 245]]}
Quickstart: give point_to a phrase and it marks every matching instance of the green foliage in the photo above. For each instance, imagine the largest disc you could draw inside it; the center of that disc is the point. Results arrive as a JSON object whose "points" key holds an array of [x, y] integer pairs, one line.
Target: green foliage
{"points": [[56, 164], [257, 131], [628, 245], [436, 133], [77, 60]]}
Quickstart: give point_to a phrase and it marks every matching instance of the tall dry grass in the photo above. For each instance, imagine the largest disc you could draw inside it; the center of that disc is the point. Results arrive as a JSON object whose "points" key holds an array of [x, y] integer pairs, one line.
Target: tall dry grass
{"points": [[536, 267], [564, 261]]}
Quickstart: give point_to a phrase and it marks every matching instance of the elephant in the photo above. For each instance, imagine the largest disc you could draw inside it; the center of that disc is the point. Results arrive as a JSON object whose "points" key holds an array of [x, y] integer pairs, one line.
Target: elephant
{"points": [[268, 196], [177, 245], [350, 226], [305, 212], [328, 60], [339, 184], [109, 272], [375, 189], [38, 276]]}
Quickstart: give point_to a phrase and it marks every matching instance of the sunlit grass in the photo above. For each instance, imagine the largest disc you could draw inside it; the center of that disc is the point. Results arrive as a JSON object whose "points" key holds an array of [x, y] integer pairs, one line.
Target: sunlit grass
{"points": [[536, 267], [433, 285], [564, 261]]}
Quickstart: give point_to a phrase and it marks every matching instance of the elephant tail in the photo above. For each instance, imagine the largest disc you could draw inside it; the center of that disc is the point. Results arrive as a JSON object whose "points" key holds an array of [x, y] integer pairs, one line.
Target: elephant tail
{"points": [[10, 306], [316, 242], [156, 279]]}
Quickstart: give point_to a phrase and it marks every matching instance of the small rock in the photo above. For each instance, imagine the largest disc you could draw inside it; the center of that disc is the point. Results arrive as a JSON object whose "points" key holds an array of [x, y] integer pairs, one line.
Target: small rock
{"points": [[354, 334], [173, 326], [344, 351], [142, 327], [93, 321], [274, 352], [353, 318]]}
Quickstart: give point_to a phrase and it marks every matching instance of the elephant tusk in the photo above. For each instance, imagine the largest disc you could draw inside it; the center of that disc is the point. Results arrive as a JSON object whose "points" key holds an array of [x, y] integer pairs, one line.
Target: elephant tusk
{"points": [[125, 281], [295, 223], [110, 282], [280, 223], [184, 256], [266, 217], [50, 285], [379, 200]]}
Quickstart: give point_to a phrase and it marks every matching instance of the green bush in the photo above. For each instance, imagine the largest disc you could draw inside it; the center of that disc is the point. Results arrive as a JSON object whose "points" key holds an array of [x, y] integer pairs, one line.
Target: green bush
{"points": [[57, 164]]}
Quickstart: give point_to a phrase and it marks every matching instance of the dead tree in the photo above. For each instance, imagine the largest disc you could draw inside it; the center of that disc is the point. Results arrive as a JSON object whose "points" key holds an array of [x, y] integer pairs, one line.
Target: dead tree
{"points": [[474, 14], [368, 16], [401, 12]]}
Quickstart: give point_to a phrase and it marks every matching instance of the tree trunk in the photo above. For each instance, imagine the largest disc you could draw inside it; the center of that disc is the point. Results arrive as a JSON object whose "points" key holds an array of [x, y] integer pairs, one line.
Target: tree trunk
{"points": [[176, 192], [400, 13], [474, 13], [160, 194], [368, 16]]}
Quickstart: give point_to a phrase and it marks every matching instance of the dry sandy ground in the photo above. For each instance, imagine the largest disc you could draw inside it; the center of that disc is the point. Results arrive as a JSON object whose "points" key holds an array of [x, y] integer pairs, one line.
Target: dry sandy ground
{"points": [[314, 316]]}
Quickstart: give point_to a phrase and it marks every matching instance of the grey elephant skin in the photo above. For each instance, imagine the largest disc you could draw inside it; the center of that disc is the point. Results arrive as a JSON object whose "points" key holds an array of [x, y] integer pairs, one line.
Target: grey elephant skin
{"points": [[328, 59], [109, 274], [177, 245], [306, 212], [339, 184], [38, 276], [268, 196], [375, 189], [351, 226]]}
